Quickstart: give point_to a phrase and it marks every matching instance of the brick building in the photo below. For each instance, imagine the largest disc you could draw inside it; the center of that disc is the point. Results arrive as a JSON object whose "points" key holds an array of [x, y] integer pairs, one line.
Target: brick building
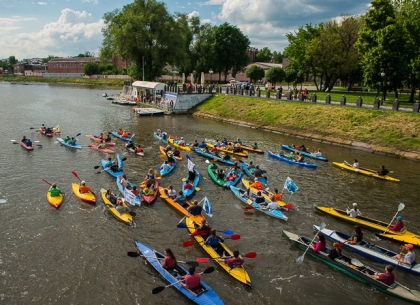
{"points": [[74, 65], [30, 67]]}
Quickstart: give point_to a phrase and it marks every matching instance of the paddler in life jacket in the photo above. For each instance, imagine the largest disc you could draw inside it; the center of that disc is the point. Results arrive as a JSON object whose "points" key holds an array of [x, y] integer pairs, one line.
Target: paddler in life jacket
{"points": [[120, 132], [125, 134]]}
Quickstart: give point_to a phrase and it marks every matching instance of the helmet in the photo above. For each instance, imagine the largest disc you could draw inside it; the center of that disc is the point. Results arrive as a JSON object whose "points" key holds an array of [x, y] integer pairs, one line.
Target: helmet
{"points": [[83, 182], [182, 138], [354, 204], [399, 218]]}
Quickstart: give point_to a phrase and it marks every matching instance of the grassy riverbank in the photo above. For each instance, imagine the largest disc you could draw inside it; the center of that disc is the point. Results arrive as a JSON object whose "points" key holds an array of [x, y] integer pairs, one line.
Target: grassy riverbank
{"points": [[77, 81], [385, 131]]}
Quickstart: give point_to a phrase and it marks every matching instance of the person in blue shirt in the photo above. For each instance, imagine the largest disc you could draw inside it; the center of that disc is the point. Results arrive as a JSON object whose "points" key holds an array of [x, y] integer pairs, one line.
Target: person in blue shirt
{"points": [[225, 141], [28, 143], [72, 141], [202, 145], [181, 199], [214, 241], [108, 163]]}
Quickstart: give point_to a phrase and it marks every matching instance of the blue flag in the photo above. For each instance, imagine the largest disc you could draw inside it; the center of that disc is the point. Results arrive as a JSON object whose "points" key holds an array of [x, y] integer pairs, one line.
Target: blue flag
{"points": [[290, 185], [207, 207]]}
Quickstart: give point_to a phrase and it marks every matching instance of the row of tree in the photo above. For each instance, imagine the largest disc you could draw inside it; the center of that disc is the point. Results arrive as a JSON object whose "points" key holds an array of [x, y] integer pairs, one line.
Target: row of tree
{"points": [[381, 48]]}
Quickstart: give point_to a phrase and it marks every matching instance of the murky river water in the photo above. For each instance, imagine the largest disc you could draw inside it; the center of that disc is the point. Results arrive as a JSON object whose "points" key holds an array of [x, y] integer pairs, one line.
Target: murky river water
{"points": [[78, 254]]}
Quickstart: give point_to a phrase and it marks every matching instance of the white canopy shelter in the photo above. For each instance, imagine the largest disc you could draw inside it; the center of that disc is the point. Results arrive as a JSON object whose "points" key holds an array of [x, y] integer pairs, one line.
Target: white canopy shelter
{"points": [[150, 86]]}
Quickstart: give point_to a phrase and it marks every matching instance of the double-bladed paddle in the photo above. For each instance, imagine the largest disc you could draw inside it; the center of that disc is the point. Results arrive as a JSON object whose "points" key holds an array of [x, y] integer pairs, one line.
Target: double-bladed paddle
{"points": [[299, 260], [135, 254], [206, 259], [401, 206]]}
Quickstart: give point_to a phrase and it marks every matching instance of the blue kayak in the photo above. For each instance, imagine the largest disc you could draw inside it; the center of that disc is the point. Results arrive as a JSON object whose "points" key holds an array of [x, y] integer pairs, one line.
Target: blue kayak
{"points": [[240, 193], [238, 177], [189, 192], [120, 165], [115, 134], [159, 138], [202, 294], [248, 171], [291, 161], [67, 144], [165, 172], [209, 155], [303, 153], [122, 190]]}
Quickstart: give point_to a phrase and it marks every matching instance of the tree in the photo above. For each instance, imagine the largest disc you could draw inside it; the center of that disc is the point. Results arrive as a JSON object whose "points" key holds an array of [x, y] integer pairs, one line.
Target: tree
{"points": [[255, 73], [275, 75], [12, 60], [290, 76], [277, 57], [48, 58], [91, 68], [264, 55], [144, 30], [229, 46]]}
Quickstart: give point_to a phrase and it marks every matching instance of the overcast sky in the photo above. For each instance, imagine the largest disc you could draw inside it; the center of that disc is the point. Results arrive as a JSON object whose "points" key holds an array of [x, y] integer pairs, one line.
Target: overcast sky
{"points": [[69, 27]]}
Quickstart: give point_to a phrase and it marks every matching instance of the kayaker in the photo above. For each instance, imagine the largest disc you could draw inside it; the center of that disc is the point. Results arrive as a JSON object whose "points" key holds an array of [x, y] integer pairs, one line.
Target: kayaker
{"points": [[258, 172], [202, 145], [225, 141], [28, 143], [191, 174], [255, 146], [233, 262], [237, 147], [102, 145], [214, 241], [168, 148], [188, 185], [42, 127], [54, 191], [232, 175], [302, 148], [114, 167], [164, 167], [111, 197], [120, 132], [276, 195], [355, 163], [148, 190], [108, 139], [130, 145], [164, 136], [138, 149], [191, 280], [176, 152], [181, 199], [72, 141], [125, 134], [383, 171], [181, 142], [195, 144], [135, 191], [271, 206], [335, 252], [321, 245], [299, 158], [169, 261], [124, 181], [387, 278], [257, 184], [121, 208], [226, 157], [259, 198], [108, 163], [407, 258], [398, 226], [171, 192], [354, 212], [66, 139], [171, 159], [238, 141], [220, 174], [195, 209], [150, 177], [317, 153], [83, 188], [24, 139], [357, 237], [203, 230]]}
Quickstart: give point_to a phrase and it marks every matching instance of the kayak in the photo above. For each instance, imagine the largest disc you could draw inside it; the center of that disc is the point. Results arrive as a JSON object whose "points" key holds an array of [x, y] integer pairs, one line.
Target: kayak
{"points": [[304, 153], [195, 183], [68, 145], [55, 201], [105, 150], [159, 138], [203, 294], [124, 217], [26, 147], [86, 197], [164, 195], [364, 171], [248, 148], [162, 151], [247, 169], [211, 169], [109, 171], [373, 224], [372, 251], [239, 273], [209, 155], [174, 143], [122, 190], [291, 161], [151, 198], [265, 193], [115, 134], [132, 150], [97, 140], [49, 134], [241, 194], [210, 143], [235, 181], [167, 171], [356, 269]]}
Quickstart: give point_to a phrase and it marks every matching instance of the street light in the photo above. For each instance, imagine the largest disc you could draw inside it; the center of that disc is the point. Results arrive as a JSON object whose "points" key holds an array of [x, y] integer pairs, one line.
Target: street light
{"points": [[383, 86], [211, 75]]}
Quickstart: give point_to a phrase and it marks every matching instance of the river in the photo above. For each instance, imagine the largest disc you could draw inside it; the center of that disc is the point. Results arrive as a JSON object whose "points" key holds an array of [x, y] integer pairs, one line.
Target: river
{"points": [[78, 253]]}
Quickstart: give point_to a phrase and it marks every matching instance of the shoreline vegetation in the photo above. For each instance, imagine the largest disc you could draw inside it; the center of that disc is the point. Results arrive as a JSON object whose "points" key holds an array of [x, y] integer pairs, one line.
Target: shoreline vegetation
{"points": [[378, 131]]}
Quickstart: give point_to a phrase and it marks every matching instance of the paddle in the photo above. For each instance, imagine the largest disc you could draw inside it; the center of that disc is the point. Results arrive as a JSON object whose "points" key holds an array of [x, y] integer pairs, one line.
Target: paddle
{"points": [[75, 174], [135, 254], [206, 259], [299, 260], [226, 231], [46, 181], [401, 206], [160, 288]]}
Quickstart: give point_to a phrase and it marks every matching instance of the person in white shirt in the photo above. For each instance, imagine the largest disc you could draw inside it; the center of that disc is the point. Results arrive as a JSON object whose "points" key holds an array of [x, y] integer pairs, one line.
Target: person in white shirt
{"points": [[354, 212], [356, 164], [271, 206], [408, 258], [171, 192], [318, 153]]}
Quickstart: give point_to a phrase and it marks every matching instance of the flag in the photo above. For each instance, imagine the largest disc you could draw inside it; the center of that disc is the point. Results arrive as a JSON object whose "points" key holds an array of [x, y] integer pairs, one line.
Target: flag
{"points": [[207, 207], [130, 197], [190, 164], [290, 185]]}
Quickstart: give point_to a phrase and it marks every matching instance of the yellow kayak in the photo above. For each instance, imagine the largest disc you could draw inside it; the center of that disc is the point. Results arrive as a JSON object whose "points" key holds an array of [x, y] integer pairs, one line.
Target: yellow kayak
{"points": [[373, 224], [55, 201], [266, 194], [86, 197], [237, 153], [239, 273], [124, 217], [183, 147], [364, 171]]}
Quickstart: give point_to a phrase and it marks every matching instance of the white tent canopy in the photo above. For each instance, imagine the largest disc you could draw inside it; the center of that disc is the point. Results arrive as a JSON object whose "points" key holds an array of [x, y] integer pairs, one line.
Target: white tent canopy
{"points": [[149, 85]]}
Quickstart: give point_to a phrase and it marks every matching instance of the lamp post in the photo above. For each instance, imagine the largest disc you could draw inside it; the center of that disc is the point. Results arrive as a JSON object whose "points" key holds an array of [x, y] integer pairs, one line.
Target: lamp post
{"points": [[211, 75], [383, 86]]}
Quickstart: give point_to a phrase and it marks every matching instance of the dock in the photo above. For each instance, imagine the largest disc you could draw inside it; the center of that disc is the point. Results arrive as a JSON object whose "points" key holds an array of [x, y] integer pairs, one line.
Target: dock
{"points": [[148, 111]]}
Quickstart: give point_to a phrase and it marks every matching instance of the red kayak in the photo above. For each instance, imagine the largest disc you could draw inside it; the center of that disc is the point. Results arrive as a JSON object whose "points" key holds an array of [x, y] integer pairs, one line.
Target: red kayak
{"points": [[151, 198], [105, 150], [49, 134], [27, 147], [97, 140]]}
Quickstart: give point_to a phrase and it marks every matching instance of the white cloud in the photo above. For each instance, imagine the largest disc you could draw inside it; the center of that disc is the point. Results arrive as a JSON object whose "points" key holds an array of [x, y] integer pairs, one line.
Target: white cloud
{"points": [[206, 21], [91, 1], [42, 3], [74, 32], [212, 2], [193, 14]]}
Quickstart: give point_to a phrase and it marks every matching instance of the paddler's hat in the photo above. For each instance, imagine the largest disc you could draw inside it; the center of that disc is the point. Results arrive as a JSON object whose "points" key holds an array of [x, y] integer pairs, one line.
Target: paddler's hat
{"points": [[83, 182], [399, 218], [354, 204], [408, 246]]}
